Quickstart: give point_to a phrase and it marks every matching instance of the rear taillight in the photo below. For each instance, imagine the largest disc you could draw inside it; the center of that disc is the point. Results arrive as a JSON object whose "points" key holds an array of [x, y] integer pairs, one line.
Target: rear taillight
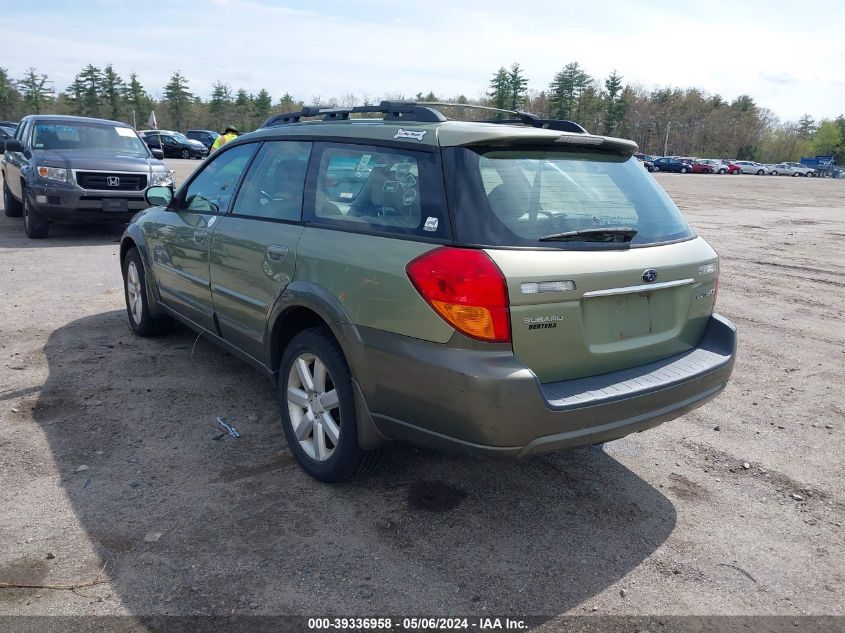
{"points": [[466, 289]]}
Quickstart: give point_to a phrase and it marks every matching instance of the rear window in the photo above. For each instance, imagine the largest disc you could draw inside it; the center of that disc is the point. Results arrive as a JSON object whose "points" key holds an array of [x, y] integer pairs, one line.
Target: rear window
{"points": [[514, 197]]}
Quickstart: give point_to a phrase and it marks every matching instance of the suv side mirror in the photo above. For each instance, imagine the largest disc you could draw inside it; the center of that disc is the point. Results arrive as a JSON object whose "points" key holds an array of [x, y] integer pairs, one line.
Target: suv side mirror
{"points": [[14, 145], [157, 153], [158, 196]]}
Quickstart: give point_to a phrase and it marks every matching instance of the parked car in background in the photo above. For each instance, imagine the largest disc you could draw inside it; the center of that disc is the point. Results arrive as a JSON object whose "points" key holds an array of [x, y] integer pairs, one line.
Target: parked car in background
{"points": [[791, 169], [647, 160], [733, 168], [709, 166], [206, 137], [174, 144], [671, 164], [751, 167], [7, 129], [71, 169], [405, 293]]}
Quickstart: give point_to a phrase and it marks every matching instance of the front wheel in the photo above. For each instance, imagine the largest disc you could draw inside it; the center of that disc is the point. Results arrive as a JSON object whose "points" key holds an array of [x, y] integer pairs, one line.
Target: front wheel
{"points": [[186, 154], [721, 172], [774, 172], [318, 407], [683, 170], [760, 172], [141, 320], [35, 225], [656, 168]]}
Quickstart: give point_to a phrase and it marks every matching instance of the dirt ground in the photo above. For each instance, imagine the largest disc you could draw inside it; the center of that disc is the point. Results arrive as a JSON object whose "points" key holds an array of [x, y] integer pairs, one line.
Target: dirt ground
{"points": [[111, 466]]}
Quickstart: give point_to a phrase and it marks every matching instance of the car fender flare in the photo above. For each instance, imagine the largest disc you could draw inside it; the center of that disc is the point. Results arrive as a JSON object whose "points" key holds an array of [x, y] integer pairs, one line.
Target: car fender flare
{"points": [[134, 236], [303, 294]]}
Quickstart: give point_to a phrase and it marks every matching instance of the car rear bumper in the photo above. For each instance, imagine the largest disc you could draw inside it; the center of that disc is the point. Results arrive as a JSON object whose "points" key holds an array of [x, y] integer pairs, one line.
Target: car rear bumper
{"points": [[69, 205], [483, 400]]}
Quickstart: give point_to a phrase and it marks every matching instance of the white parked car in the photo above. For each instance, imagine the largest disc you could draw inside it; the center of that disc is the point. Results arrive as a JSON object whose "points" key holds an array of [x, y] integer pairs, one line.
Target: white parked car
{"points": [[791, 169], [751, 167]]}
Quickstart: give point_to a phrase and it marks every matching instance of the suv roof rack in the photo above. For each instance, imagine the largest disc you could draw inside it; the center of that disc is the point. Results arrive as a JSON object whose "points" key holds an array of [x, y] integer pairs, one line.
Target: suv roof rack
{"points": [[392, 110], [421, 112]]}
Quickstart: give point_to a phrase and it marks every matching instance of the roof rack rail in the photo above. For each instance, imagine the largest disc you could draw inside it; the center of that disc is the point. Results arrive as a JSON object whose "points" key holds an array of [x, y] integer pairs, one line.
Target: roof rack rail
{"points": [[392, 110], [421, 112]]}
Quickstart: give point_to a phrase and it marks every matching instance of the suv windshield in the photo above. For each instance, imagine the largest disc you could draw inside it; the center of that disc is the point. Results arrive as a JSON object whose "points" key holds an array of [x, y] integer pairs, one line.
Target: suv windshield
{"points": [[62, 135], [522, 197]]}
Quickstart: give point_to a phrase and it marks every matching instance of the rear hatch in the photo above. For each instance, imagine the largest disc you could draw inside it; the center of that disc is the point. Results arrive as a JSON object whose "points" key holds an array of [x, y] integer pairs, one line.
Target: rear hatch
{"points": [[603, 272]]}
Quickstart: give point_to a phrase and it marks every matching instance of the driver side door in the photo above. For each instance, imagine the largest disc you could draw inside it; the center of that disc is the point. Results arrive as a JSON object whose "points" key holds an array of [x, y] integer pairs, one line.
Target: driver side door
{"points": [[181, 239]]}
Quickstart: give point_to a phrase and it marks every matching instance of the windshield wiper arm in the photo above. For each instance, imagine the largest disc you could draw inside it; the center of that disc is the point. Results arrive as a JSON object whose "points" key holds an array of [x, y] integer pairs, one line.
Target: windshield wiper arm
{"points": [[610, 234]]}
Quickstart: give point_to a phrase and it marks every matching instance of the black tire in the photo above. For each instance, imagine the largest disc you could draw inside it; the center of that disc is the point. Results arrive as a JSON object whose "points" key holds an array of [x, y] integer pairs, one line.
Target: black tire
{"points": [[186, 154], [347, 458], [35, 225], [11, 207], [722, 172], [683, 170], [656, 168], [142, 322], [761, 172], [774, 172]]}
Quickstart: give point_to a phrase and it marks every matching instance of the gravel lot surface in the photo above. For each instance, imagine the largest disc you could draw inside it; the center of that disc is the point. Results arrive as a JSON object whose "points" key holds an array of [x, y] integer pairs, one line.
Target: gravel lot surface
{"points": [[109, 460]]}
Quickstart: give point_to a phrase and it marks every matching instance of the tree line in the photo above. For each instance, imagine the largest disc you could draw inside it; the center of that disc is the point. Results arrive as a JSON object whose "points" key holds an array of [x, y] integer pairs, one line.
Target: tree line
{"points": [[673, 121]]}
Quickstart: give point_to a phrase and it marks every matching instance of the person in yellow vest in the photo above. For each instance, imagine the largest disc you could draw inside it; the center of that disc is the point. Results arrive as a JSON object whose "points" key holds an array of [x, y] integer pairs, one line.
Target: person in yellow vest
{"points": [[230, 134]]}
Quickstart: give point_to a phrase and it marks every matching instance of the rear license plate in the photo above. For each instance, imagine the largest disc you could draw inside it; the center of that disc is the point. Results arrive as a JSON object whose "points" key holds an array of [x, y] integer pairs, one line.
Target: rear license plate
{"points": [[115, 204]]}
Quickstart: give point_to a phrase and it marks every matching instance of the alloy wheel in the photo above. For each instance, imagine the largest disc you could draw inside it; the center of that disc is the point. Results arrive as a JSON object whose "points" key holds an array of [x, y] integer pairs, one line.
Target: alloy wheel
{"points": [[313, 406], [133, 290]]}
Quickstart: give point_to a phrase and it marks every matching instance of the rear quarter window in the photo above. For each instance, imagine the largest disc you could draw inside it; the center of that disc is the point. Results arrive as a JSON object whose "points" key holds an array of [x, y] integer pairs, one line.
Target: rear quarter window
{"points": [[380, 190]]}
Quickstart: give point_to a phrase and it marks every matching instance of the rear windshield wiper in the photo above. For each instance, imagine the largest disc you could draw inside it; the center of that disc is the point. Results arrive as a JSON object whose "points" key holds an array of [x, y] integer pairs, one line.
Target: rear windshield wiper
{"points": [[616, 234]]}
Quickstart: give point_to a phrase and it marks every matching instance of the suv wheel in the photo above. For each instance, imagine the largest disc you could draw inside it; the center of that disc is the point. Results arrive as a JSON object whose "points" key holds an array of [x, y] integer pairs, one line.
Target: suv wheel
{"points": [[142, 322], [318, 408], [34, 224], [11, 207]]}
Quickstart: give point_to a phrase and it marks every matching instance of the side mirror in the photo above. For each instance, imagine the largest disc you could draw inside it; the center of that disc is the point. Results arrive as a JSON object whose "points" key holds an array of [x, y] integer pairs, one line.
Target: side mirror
{"points": [[159, 196], [14, 145], [157, 153]]}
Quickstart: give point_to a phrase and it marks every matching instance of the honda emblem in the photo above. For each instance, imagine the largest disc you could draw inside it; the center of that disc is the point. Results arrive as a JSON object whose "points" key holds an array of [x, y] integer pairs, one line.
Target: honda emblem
{"points": [[113, 181]]}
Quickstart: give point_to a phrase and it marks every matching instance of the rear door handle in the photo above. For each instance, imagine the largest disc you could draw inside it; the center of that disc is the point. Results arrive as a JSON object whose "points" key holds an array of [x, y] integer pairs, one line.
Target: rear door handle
{"points": [[201, 238], [277, 253]]}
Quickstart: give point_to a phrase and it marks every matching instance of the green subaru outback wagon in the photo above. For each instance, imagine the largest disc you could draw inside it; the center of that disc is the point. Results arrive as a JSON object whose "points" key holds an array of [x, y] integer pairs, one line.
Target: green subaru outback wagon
{"points": [[510, 287]]}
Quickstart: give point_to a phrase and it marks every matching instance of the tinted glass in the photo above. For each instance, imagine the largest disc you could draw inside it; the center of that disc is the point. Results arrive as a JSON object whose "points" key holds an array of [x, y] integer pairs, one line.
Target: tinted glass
{"points": [[61, 135], [212, 189], [514, 197], [381, 190], [274, 185]]}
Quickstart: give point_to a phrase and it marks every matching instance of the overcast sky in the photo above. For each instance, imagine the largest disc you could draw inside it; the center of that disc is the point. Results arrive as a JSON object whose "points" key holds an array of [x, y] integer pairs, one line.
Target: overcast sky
{"points": [[789, 56]]}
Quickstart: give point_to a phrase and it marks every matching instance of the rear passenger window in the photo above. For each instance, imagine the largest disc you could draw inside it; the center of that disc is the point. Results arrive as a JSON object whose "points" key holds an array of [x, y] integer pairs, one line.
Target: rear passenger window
{"points": [[275, 182], [381, 190]]}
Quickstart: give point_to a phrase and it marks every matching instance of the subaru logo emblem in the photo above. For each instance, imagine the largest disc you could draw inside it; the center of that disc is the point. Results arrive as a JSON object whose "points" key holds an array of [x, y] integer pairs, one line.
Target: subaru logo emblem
{"points": [[113, 181], [649, 275]]}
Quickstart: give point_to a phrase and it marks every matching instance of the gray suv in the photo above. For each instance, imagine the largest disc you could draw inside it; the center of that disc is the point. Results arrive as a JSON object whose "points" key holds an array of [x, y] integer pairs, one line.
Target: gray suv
{"points": [[75, 169]]}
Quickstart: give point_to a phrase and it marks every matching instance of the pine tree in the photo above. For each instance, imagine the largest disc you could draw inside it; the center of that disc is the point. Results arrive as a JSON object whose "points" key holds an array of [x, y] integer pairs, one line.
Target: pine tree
{"points": [[566, 89], [518, 82], [9, 95], [243, 109], [806, 126], [262, 103], [89, 82], [614, 105], [500, 88], [220, 104], [36, 90], [113, 91], [138, 100], [178, 98]]}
